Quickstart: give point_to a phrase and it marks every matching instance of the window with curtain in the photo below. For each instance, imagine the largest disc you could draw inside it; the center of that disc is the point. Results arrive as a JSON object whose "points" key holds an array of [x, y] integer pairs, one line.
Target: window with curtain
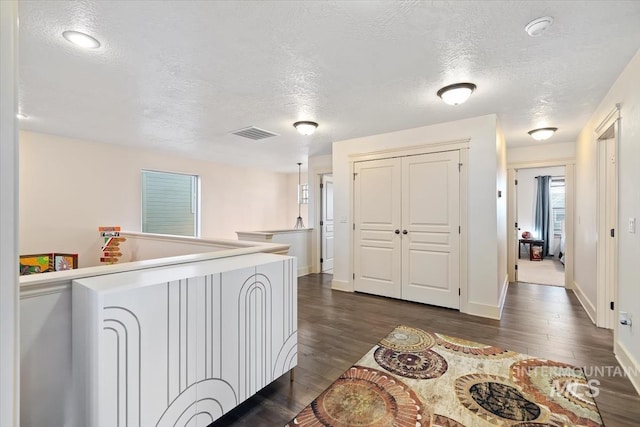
{"points": [[557, 193], [170, 203]]}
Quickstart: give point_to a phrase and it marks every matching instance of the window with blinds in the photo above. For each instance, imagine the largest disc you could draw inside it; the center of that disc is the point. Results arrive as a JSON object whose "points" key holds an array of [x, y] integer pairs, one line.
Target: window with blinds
{"points": [[557, 192], [170, 203]]}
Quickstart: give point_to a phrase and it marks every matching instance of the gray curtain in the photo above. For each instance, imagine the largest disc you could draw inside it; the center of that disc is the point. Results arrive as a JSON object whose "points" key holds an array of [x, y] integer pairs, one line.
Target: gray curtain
{"points": [[541, 218]]}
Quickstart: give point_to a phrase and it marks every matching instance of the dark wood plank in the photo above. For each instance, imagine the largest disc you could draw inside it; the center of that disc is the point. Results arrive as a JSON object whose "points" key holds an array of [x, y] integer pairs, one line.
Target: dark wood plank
{"points": [[336, 328]]}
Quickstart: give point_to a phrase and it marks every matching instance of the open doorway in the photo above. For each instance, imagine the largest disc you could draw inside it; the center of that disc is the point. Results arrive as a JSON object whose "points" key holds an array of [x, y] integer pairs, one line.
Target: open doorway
{"points": [[326, 224], [540, 217]]}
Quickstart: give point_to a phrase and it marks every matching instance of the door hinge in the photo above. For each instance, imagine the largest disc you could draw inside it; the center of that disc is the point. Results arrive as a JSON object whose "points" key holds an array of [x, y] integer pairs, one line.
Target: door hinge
{"points": [[354, 276], [459, 167], [516, 225], [516, 266], [516, 182], [459, 230], [611, 305], [354, 175], [459, 292], [354, 226], [321, 260], [321, 186], [613, 232], [321, 222]]}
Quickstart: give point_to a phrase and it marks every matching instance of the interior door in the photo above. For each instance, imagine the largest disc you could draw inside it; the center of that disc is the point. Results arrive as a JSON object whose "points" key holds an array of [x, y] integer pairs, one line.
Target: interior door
{"points": [[327, 223], [430, 229], [377, 242]]}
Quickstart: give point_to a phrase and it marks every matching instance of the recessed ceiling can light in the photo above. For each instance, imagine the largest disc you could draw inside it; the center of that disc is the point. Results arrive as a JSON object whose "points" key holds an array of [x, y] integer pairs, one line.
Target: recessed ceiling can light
{"points": [[538, 26], [542, 133], [457, 93], [81, 39], [305, 127]]}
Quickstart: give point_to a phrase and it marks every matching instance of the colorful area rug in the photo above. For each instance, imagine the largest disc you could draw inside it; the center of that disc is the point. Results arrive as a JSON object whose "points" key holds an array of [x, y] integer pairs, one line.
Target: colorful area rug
{"points": [[415, 378]]}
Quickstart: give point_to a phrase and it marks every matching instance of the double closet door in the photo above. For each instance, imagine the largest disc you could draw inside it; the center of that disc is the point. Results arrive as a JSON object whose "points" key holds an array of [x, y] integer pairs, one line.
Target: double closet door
{"points": [[407, 228]]}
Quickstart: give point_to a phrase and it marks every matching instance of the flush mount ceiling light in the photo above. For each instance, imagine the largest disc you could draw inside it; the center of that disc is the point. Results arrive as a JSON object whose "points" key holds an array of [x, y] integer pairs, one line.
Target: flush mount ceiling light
{"points": [[81, 39], [21, 116], [457, 93], [542, 133], [305, 127], [538, 26]]}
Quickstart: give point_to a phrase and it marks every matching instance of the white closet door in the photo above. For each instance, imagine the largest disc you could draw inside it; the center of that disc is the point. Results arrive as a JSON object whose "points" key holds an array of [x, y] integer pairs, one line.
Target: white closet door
{"points": [[377, 207], [430, 218], [327, 223]]}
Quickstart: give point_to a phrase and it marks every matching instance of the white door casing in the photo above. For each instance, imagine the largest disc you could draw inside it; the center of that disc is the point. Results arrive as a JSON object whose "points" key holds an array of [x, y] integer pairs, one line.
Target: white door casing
{"points": [[377, 221], [607, 221], [327, 223], [430, 218]]}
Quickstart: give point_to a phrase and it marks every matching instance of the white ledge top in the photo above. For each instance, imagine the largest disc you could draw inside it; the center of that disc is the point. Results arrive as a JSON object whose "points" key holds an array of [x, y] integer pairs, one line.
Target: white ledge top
{"points": [[146, 277], [272, 232]]}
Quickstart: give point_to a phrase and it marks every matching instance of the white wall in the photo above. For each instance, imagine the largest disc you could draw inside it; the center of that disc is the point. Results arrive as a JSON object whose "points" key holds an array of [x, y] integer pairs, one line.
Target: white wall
{"points": [[9, 311], [526, 197], [541, 152], [70, 187], [626, 90], [483, 265]]}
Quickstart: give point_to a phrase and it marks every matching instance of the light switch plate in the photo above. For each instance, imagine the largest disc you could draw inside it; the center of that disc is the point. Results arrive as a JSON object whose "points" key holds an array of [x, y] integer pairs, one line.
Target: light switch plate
{"points": [[632, 225]]}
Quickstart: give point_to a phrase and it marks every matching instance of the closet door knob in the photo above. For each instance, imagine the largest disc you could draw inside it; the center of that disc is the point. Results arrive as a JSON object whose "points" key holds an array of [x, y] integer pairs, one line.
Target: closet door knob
{"points": [[404, 231], [397, 231]]}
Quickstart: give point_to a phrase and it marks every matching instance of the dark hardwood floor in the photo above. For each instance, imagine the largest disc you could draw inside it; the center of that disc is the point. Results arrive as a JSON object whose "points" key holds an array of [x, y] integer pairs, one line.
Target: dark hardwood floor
{"points": [[336, 328]]}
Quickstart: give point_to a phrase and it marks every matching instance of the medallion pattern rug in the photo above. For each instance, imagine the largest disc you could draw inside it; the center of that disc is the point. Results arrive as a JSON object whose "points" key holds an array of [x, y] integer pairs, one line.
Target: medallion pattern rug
{"points": [[415, 378]]}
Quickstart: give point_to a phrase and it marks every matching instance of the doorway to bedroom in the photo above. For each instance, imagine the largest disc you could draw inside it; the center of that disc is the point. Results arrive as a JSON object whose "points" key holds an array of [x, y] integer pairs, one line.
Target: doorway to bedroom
{"points": [[540, 218]]}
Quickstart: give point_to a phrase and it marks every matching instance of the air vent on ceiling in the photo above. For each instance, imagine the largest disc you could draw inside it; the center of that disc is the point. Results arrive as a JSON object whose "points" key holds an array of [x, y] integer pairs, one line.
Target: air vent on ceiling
{"points": [[254, 133]]}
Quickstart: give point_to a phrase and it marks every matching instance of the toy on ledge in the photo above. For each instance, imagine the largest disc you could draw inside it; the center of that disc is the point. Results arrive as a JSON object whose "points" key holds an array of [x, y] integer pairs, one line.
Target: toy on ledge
{"points": [[43, 263], [111, 248]]}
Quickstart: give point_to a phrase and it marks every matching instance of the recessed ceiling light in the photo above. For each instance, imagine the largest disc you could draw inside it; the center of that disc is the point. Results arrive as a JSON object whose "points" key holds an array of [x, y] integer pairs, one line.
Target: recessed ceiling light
{"points": [[81, 39], [542, 133], [305, 127], [21, 116], [457, 93], [538, 26]]}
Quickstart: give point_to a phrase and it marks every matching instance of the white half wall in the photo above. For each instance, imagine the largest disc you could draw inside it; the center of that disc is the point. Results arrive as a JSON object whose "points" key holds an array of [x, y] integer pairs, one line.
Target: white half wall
{"points": [[484, 246], [69, 187], [626, 91]]}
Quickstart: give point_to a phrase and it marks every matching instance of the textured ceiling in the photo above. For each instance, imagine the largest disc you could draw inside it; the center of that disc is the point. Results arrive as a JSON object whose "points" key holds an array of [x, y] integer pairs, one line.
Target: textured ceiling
{"points": [[182, 75]]}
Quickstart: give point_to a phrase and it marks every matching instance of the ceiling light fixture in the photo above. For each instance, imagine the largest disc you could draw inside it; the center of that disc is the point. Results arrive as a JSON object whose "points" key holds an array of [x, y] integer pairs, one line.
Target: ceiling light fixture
{"points": [[457, 93], [81, 39], [21, 116], [542, 133], [305, 127], [538, 26]]}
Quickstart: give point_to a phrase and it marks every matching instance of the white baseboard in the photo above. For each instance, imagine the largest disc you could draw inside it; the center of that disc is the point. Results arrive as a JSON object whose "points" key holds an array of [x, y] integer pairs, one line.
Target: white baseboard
{"points": [[303, 271], [483, 310], [629, 364], [340, 285], [503, 295], [588, 305]]}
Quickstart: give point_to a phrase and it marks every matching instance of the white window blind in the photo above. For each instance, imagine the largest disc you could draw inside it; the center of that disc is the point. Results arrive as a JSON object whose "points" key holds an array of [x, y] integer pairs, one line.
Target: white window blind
{"points": [[557, 205], [170, 203]]}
